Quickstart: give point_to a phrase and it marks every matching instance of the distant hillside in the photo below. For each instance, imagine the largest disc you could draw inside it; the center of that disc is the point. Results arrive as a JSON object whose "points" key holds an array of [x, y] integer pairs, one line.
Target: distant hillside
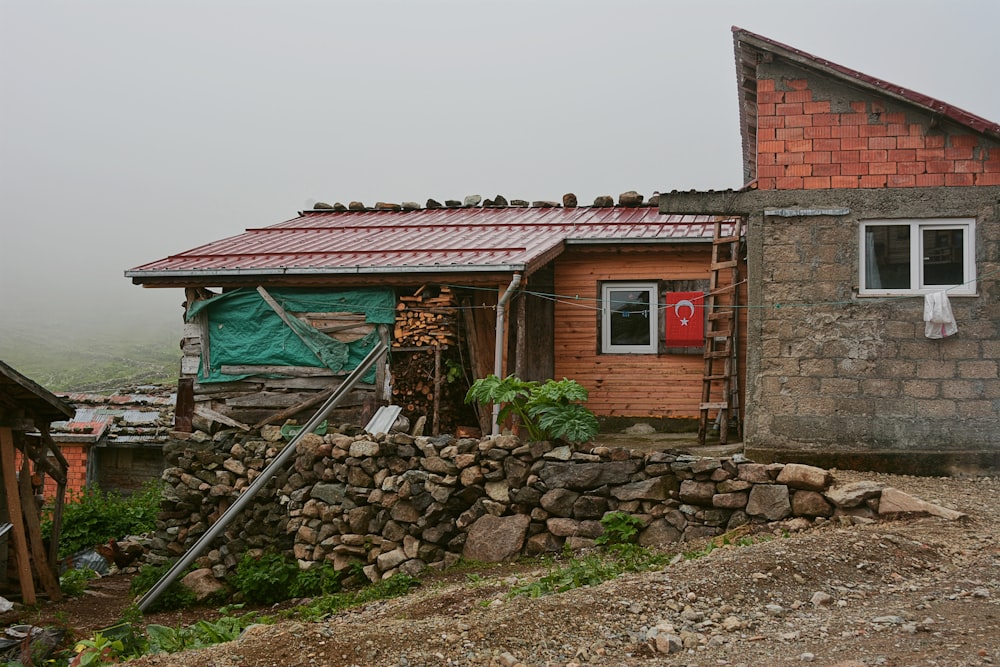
{"points": [[74, 359]]}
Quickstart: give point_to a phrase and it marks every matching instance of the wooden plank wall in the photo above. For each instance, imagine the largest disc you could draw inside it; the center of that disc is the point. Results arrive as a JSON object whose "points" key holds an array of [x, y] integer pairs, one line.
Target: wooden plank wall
{"points": [[628, 385]]}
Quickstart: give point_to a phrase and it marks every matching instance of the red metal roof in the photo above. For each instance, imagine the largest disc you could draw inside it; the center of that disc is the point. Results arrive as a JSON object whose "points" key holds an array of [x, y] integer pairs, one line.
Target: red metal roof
{"points": [[427, 240], [746, 43]]}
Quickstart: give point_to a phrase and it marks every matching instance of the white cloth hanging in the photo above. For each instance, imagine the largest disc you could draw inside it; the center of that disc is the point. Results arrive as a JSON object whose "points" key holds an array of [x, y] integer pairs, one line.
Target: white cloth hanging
{"points": [[940, 322]]}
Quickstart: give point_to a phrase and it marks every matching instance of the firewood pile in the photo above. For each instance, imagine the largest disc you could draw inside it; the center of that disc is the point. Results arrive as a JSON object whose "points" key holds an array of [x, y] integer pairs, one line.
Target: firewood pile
{"points": [[427, 319], [425, 357]]}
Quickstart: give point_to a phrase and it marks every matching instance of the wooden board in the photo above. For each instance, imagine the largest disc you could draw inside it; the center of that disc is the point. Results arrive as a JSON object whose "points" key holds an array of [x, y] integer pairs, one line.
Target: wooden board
{"points": [[629, 385]]}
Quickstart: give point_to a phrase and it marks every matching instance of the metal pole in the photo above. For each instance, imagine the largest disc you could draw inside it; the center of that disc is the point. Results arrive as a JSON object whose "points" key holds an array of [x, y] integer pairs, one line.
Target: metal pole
{"points": [[265, 476]]}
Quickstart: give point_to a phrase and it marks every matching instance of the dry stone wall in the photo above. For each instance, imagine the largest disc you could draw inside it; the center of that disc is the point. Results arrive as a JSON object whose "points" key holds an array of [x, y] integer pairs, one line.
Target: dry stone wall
{"points": [[397, 503]]}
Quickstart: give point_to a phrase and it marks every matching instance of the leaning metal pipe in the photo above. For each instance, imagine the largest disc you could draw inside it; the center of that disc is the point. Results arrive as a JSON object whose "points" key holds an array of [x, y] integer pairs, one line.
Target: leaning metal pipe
{"points": [[265, 476], [498, 349]]}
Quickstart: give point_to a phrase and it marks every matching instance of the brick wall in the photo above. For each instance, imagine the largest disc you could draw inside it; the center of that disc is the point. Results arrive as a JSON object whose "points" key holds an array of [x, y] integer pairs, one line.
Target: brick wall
{"points": [[811, 135], [76, 478]]}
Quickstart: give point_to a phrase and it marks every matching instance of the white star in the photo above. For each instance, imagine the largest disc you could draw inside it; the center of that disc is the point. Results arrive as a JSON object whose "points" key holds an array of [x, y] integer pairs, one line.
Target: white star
{"points": [[684, 322]]}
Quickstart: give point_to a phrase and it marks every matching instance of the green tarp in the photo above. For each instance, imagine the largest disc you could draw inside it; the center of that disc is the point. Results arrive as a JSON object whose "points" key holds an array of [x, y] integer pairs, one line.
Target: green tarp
{"points": [[245, 330]]}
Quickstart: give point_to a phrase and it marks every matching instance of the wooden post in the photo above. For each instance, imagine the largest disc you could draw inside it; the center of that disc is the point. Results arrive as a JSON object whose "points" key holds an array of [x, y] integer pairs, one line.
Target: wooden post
{"points": [[8, 464], [184, 410], [46, 575], [437, 391]]}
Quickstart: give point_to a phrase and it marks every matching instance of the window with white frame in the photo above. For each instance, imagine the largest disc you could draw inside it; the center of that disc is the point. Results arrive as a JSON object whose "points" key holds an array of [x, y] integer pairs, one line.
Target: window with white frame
{"points": [[918, 257], [629, 317]]}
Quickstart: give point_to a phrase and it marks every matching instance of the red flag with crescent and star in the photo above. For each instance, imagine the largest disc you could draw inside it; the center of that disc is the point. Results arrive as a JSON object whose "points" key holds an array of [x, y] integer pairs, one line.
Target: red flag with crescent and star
{"points": [[684, 319]]}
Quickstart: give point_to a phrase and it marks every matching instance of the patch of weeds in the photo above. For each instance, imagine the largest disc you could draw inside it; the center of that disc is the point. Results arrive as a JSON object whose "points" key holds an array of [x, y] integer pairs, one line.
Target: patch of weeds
{"points": [[94, 517], [163, 639], [593, 569], [619, 528], [74, 582], [322, 607]]}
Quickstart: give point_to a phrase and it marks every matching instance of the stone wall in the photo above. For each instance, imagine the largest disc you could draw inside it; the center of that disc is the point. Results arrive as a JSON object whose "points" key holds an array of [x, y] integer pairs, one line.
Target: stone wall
{"points": [[397, 503]]}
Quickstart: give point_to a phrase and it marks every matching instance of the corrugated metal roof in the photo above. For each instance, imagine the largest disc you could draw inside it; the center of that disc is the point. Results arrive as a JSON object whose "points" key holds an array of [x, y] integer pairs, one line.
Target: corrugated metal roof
{"points": [[425, 240], [748, 45]]}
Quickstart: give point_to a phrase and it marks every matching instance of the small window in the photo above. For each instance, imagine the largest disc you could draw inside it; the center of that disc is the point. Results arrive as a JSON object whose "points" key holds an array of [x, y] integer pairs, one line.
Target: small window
{"points": [[629, 318], [918, 257]]}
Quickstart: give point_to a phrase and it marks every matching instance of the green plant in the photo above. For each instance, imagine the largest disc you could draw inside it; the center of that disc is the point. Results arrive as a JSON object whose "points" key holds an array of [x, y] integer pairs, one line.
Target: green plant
{"points": [[619, 528], [593, 569], [321, 607], [265, 579], [100, 650], [164, 639], [549, 410], [73, 582], [322, 580], [95, 516]]}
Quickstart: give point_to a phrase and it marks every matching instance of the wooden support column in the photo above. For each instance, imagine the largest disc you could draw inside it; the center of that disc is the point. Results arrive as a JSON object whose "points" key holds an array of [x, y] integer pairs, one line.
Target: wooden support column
{"points": [[46, 575], [9, 469]]}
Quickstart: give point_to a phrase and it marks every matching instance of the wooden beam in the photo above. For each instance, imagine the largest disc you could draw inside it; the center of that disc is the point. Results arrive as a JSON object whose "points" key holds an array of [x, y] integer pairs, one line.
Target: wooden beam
{"points": [[212, 415], [288, 412], [9, 470], [46, 574]]}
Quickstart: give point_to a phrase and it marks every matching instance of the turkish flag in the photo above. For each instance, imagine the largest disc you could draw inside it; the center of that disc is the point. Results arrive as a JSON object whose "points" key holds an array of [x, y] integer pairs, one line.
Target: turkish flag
{"points": [[684, 319]]}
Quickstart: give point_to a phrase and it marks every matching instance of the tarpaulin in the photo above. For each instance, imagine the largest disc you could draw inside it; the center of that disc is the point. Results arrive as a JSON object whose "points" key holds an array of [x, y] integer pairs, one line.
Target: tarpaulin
{"points": [[244, 330], [684, 319]]}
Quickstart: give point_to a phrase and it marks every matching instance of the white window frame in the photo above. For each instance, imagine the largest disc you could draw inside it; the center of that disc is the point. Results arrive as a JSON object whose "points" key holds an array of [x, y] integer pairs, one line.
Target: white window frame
{"points": [[917, 227], [650, 287]]}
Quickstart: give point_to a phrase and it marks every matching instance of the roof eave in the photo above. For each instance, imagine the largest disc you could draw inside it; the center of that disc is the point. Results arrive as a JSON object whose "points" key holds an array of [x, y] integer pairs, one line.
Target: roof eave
{"points": [[139, 276]]}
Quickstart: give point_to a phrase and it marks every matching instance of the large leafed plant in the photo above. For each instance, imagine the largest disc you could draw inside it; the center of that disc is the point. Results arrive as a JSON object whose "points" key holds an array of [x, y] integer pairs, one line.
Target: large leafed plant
{"points": [[548, 411]]}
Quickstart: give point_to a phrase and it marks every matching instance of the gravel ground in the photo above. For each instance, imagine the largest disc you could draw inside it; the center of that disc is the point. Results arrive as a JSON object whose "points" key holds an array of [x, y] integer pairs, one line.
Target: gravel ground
{"points": [[911, 591]]}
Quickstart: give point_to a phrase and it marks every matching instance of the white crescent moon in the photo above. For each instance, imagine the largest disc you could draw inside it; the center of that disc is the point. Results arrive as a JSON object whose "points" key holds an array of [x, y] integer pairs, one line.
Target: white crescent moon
{"points": [[683, 302]]}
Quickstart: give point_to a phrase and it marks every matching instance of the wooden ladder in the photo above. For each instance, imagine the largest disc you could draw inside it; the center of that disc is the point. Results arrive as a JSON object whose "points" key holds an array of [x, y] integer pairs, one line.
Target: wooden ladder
{"points": [[720, 388]]}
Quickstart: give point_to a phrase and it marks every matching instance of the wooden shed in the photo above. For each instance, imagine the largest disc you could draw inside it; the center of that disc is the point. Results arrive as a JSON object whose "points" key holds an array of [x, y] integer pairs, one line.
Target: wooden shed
{"points": [[607, 295], [26, 411]]}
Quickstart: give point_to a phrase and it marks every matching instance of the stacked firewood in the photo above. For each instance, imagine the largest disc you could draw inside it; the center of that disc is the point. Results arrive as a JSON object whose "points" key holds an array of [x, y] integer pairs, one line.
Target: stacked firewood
{"points": [[426, 319], [426, 362]]}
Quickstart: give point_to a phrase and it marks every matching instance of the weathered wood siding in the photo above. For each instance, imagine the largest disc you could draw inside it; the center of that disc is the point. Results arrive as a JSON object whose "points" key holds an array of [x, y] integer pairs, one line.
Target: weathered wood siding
{"points": [[628, 385]]}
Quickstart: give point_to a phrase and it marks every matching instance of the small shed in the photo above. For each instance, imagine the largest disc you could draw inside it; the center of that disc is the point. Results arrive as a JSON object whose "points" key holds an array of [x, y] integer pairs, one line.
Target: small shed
{"points": [[26, 411], [617, 297]]}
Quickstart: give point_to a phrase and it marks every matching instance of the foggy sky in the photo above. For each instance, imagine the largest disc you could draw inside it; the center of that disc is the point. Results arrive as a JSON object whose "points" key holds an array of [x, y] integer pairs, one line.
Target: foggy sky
{"points": [[131, 130]]}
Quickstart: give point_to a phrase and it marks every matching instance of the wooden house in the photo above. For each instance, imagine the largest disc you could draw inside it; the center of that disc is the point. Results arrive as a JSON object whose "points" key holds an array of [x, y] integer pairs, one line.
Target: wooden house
{"points": [[607, 295], [866, 205], [27, 456]]}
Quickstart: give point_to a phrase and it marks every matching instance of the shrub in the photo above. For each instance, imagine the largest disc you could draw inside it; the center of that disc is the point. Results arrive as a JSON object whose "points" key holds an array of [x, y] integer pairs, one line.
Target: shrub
{"points": [[96, 516], [548, 411]]}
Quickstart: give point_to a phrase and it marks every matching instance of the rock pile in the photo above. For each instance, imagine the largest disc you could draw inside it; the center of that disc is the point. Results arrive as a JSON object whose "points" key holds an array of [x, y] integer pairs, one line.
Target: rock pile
{"points": [[397, 503]]}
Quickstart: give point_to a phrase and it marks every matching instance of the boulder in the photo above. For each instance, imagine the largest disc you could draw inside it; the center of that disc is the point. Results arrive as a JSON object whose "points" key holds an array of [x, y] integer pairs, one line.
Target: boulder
{"points": [[769, 501], [894, 501], [202, 583], [799, 476], [492, 539]]}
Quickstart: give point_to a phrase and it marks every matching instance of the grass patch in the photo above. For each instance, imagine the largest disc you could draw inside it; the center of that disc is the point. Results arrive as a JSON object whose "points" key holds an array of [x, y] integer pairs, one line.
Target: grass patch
{"points": [[593, 569]]}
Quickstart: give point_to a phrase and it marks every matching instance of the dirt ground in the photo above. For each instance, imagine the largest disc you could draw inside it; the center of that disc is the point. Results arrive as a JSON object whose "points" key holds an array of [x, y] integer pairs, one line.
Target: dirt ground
{"points": [[910, 591]]}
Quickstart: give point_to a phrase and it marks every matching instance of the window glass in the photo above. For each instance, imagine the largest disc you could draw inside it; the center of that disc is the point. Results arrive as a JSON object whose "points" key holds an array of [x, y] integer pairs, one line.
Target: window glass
{"points": [[918, 257], [943, 257], [888, 257], [629, 318]]}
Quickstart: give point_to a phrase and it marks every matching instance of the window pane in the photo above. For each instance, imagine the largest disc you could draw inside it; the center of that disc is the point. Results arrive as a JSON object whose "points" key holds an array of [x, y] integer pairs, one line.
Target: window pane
{"points": [[943, 257], [629, 317], [887, 257]]}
